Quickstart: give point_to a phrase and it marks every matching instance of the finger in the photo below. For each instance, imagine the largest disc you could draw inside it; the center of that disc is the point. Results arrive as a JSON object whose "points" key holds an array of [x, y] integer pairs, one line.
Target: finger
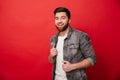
{"points": [[53, 50]]}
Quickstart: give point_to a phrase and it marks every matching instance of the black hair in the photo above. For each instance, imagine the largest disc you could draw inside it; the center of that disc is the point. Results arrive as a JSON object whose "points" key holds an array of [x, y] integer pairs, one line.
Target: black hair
{"points": [[63, 9]]}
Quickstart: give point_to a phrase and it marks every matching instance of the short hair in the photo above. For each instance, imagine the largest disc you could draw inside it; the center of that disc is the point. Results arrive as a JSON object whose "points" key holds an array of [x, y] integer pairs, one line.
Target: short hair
{"points": [[63, 9]]}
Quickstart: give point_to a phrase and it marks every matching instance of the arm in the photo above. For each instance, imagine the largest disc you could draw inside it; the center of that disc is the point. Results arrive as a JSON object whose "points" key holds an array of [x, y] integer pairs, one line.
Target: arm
{"points": [[51, 59], [87, 49], [87, 52], [67, 66], [82, 64], [53, 53]]}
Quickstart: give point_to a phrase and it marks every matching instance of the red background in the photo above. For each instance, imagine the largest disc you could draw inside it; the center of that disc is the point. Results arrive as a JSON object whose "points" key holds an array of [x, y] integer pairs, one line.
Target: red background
{"points": [[27, 25]]}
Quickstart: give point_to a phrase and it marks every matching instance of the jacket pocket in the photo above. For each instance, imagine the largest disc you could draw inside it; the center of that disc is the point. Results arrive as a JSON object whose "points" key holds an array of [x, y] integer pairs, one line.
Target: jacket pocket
{"points": [[73, 46], [73, 49]]}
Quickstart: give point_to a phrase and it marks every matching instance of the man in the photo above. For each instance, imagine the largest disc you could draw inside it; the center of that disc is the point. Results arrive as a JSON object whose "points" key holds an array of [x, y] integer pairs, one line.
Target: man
{"points": [[71, 50]]}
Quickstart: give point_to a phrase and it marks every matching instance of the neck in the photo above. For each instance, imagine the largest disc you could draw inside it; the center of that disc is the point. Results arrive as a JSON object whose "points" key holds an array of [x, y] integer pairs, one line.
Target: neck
{"points": [[64, 32]]}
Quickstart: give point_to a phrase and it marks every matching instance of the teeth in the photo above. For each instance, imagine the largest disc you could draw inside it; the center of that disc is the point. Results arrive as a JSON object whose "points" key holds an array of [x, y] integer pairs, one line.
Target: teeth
{"points": [[60, 24]]}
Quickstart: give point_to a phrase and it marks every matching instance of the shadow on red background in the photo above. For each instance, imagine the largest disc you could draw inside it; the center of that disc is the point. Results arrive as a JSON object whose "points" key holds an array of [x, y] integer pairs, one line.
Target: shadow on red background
{"points": [[27, 25]]}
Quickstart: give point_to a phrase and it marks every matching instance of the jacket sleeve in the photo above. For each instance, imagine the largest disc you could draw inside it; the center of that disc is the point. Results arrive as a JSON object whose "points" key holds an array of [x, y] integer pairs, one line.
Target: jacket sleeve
{"points": [[87, 49], [53, 43]]}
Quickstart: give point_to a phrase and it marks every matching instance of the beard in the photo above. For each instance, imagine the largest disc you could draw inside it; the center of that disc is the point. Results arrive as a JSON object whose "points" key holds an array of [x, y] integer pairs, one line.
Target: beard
{"points": [[61, 29]]}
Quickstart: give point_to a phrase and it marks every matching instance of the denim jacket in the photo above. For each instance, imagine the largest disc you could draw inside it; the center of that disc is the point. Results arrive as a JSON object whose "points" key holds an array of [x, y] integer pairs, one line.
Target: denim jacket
{"points": [[77, 46]]}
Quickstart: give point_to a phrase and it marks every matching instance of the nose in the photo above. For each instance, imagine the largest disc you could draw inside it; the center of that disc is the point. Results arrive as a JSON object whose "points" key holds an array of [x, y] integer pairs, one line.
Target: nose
{"points": [[59, 20]]}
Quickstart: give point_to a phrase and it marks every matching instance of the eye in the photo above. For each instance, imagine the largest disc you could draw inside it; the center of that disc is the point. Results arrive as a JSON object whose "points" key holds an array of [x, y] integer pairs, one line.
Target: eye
{"points": [[63, 17], [56, 18]]}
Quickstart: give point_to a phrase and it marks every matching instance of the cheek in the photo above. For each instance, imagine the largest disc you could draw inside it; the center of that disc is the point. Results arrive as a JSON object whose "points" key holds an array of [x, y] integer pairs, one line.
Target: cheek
{"points": [[65, 22], [56, 22]]}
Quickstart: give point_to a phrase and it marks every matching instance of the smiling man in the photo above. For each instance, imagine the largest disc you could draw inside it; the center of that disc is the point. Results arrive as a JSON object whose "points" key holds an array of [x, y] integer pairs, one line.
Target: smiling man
{"points": [[71, 50]]}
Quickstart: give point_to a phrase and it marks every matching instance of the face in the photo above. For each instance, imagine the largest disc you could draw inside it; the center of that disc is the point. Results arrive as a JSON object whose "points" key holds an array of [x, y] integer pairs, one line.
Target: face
{"points": [[61, 21]]}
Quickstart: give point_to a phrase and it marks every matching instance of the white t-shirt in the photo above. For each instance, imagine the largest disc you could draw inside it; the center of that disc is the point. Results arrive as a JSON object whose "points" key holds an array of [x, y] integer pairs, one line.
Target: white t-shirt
{"points": [[60, 73]]}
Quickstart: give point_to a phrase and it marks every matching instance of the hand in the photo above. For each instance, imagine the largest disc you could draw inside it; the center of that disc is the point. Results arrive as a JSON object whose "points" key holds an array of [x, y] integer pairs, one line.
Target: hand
{"points": [[67, 66], [53, 51]]}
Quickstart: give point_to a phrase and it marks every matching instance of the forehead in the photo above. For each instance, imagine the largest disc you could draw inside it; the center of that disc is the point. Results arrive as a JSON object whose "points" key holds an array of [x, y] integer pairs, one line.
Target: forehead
{"points": [[59, 14]]}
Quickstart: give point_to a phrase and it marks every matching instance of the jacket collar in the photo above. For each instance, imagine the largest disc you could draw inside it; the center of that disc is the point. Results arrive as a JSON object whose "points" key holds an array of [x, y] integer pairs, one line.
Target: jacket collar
{"points": [[68, 36], [69, 33]]}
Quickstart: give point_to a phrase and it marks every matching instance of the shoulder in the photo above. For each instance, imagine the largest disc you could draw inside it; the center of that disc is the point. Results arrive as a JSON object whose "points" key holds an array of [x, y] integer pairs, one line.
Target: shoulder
{"points": [[80, 33], [53, 37]]}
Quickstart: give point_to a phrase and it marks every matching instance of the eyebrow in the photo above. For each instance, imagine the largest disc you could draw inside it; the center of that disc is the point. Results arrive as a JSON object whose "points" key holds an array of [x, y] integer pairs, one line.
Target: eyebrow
{"points": [[61, 16]]}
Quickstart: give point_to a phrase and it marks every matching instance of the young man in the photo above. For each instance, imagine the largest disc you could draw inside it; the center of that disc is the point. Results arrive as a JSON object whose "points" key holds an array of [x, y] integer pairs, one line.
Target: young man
{"points": [[71, 50]]}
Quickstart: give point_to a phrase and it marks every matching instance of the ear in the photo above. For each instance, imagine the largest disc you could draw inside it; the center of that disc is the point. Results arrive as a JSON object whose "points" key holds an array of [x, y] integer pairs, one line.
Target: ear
{"points": [[69, 20]]}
